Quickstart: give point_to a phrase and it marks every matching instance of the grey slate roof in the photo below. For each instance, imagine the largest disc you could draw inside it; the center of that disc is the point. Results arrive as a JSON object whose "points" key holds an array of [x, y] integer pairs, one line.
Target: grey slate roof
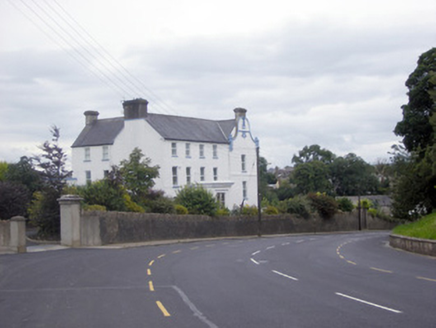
{"points": [[101, 132], [104, 131]]}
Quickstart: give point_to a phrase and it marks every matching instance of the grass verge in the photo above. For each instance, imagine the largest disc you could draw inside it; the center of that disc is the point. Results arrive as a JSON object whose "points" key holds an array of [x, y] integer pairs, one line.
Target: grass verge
{"points": [[424, 228]]}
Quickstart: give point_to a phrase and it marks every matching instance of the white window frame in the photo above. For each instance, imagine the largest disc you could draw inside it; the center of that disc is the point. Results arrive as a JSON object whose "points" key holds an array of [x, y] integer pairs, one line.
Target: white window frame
{"points": [[88, 176], [201, 150], [215, 174], [105, 153], [243, 163], [244, 190], [188, 175], [188, 150], [175, 177], [202, 173], [87, 154], [174, 149], [215, 151]]}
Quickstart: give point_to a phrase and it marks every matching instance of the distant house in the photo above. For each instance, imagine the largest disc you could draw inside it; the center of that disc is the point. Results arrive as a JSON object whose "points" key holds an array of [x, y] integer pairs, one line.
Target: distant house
{"points": [[219, 155]]}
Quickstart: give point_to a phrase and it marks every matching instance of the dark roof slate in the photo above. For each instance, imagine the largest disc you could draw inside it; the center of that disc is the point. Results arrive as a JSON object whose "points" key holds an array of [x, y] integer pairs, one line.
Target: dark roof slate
{"points": [[104, 131], [101, 132]]}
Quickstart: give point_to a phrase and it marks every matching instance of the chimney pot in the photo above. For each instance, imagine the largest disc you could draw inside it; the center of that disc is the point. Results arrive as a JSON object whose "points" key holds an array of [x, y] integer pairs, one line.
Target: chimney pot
{"points": [[239, 112], [136, 108], [91, 116]]}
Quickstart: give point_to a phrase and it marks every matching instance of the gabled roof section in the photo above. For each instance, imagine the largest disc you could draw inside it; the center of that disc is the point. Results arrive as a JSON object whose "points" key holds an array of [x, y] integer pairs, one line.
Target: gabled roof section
{"points": [[101, 132], [191, 129], [104, 131]]}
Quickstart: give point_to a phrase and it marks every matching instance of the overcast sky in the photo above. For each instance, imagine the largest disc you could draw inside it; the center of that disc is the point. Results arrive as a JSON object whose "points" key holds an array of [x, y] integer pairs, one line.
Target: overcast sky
{"points": [[308, 72]]}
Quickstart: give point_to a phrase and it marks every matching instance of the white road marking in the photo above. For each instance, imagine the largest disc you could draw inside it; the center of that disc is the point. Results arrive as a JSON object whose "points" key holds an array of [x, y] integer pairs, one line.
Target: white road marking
{"points": [[254, 261], [256, 252], [284, 275], [299, 241], [368, 303], [270, 247], [284, 244]]}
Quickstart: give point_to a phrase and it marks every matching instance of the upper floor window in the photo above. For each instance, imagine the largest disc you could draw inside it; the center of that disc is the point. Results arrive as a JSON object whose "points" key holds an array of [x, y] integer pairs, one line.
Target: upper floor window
{"points": [[88, 176], [202, 177], [188, 150], [174, 149], [215, 151], [87, 154], [175, 179], [188, 175], [243, 163], [201, 150], [105, 153], [215, 174]]}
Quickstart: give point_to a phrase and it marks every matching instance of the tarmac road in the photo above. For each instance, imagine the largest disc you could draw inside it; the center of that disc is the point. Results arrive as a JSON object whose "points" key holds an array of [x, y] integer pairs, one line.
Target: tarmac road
{"points": [[323, 280]]}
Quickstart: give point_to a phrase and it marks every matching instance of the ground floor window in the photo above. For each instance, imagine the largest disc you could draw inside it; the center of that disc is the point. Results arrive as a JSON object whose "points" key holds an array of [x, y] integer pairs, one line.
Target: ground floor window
{"points": [[221, 198], [244, 190], [88, 176]]}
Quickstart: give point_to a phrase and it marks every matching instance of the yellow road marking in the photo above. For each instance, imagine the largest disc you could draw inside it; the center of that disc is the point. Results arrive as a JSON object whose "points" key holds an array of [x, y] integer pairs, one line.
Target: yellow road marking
{"points": [[160, 256], [351, 262], [151, 263], [428, 279], [341, 257], [150, 285], [149, 272], [162, 308], [381, 270]]}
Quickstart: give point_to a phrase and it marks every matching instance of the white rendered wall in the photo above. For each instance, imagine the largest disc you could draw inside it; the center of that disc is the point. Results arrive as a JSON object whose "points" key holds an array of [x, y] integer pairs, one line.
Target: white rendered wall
{"points": [[138, 133]]}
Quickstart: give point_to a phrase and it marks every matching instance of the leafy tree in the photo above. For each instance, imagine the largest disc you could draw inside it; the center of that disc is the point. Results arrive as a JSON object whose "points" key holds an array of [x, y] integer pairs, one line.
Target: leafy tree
{"points": [[104, 193], [24, 173], [415, 127], [138, 175], [3, 170], [414, 186], [313, 153], [45, 211], [311, 176], [197, 200], [351, 175], [14, 199]]}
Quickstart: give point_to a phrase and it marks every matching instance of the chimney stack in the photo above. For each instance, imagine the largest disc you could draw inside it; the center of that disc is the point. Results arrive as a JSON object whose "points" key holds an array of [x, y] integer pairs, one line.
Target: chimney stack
{"points": [[90, 116], [239, 112], [136, 108]]}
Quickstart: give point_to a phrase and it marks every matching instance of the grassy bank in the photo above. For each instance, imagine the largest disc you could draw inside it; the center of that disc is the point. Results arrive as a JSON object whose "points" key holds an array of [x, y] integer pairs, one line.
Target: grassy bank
{"points": [[424, 228]]}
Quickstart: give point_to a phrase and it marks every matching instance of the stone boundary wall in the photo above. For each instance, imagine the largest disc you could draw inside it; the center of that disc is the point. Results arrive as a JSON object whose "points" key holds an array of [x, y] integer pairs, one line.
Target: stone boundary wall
{"points": [[13, 235], [415, 245], [103, 228]]}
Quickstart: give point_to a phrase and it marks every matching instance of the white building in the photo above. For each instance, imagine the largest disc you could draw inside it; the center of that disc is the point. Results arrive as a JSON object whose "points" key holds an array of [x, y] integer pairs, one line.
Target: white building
{"points": [[220, 155]]}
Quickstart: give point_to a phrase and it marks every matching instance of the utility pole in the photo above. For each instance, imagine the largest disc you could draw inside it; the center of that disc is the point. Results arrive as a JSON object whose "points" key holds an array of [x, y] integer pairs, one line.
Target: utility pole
{"points": [[259, 209]]}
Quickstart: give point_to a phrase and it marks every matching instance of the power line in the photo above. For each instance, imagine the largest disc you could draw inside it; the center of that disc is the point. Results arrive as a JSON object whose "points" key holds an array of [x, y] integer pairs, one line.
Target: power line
{"points": [[89, 53]]}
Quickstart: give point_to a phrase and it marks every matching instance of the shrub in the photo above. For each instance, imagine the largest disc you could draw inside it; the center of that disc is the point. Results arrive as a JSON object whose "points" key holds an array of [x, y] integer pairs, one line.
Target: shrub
{"points": [[249, 210], [345, 204], [299, 205], [162, 205], [326, 206], [44, 212], [131, 206], [104, 193], [271, 210], [14, 199], [197, 200], [372, 212], [223, 211], [181, 210], [366, 203], [94, 208]]}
